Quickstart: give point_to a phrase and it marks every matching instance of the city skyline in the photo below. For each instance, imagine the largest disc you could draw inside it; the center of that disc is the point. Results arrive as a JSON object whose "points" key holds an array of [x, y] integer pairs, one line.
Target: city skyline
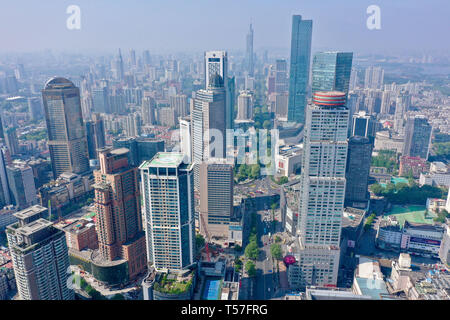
{"points": [[344, 30]]}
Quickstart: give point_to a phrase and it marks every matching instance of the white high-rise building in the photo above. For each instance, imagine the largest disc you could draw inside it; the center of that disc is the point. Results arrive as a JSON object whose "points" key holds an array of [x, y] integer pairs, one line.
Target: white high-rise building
{"points": [[168, 207], [186, 138], [322, 192], [245, 105], [40, 257]]}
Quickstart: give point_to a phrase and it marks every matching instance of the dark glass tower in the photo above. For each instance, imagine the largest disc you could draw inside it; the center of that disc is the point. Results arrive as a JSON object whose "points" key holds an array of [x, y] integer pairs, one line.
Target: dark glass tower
{"points": [[331, 71], [299, 72]]}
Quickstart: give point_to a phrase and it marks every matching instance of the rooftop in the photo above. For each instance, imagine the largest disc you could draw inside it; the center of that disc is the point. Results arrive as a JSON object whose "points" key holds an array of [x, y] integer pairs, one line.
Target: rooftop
{"points": [[164, 160]]}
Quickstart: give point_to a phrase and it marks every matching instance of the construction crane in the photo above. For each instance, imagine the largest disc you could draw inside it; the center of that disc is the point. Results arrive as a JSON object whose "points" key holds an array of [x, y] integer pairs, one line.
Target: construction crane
{"points": [[208, 239]]}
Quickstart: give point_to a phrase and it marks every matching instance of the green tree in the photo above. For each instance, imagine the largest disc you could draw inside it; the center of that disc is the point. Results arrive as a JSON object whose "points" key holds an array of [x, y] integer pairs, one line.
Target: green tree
{"points": [[199, 241], [252, 251], [118, 296], [275, 250], [250, 268]]}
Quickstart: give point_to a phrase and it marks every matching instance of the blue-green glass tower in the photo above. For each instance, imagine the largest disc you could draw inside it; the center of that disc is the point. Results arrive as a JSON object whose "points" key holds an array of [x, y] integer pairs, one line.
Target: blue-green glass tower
{"points": [[299, 72], [331, 71]]}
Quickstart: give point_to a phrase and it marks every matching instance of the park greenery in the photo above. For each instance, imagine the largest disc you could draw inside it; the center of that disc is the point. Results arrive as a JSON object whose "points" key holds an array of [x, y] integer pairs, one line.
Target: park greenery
{"points": [[237, 264], [245, 172], [442, 149], [441, 216], [386, 159], [36, 135], [172, 286], [403, 193], [86, 287]]}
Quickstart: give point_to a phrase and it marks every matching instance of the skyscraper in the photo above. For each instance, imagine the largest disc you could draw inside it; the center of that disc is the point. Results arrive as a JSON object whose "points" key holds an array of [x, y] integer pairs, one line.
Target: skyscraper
{"points": [[148, 110], [417, 137], [40, 257], [216, 62], [331, 71], [186, 138], [249, 52], [281, 79], [208, 121], [363, 125], [11, 140], [168, 204], [245, 105], [119, 220], [230, 101], [95, 133], [322, 191], [66, 133], [358, 169], [179, 103], [216, 196], [299, 71], [21, 185]]}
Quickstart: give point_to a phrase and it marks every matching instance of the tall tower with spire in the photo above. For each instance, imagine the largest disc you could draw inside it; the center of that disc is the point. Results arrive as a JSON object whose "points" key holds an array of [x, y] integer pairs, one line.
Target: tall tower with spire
{"points": [[249, 52]]}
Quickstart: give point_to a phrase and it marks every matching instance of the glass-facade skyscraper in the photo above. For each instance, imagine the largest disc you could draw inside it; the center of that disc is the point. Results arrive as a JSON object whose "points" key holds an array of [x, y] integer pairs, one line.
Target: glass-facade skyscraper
{"points": [[299, 71], [66, 132], [331, 71]]}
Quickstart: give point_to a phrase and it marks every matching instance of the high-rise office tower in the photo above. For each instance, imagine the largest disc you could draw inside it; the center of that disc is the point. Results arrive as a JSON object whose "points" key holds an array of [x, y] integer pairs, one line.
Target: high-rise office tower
{"points": [[132, 58], [281, 79], [5, 197], [21, 185], [11, 141], [100, 100], [40, 257], [245, 105], [216, 196], [374, 78], [118, 67], [35, 108], [119, 220], [230, 101], [331, 71], [148, 110], [363, 125], [299, 71], [146, 57], [208, 123], [95, 133], [322, 192], [66, 134], [417, 137], [179, 102], [186, 138], [216, 62], [249, 52], [168, 204], [358, 169]]}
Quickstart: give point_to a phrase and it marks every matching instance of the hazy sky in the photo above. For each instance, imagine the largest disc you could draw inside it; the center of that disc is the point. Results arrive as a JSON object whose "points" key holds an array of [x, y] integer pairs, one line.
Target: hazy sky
{"points": [[197, 25]]}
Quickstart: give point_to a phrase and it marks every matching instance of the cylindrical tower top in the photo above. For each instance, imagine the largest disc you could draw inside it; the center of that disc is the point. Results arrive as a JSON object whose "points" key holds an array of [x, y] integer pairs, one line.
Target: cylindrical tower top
{"points": [[331, 98]]}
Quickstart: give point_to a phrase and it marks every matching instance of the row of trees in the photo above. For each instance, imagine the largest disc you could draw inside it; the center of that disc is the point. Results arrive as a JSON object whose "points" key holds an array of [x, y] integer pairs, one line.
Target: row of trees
{"points": [[252, 251]]}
